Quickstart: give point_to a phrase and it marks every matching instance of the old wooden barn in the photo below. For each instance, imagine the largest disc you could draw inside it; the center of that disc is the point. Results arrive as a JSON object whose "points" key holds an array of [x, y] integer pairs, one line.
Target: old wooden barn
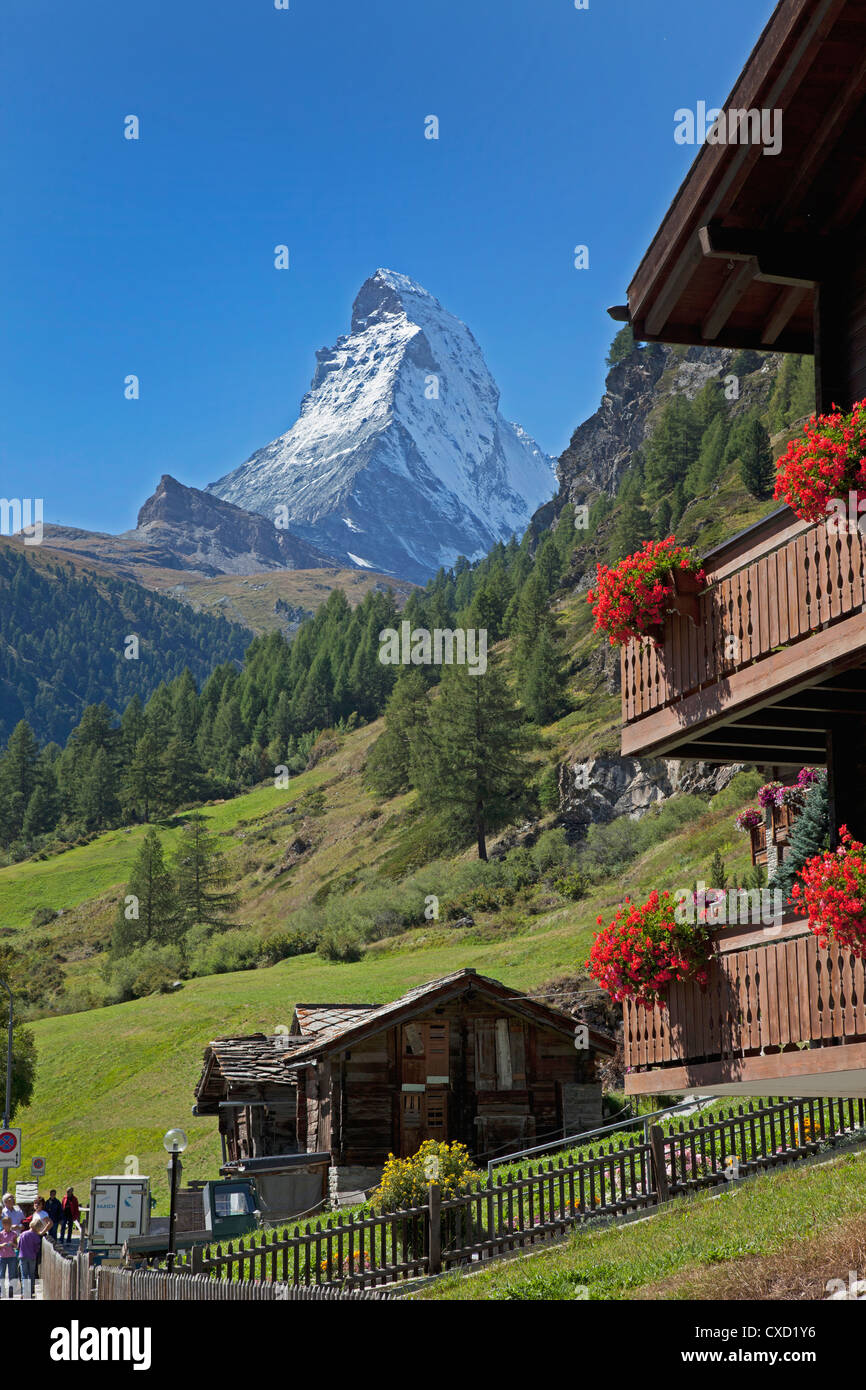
{"points": [[463, 1058]]}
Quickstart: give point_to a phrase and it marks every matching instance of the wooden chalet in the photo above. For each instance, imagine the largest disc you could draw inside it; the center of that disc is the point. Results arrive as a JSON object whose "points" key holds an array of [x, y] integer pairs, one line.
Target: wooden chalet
{"points": [[462, 1059], [768, 251]]}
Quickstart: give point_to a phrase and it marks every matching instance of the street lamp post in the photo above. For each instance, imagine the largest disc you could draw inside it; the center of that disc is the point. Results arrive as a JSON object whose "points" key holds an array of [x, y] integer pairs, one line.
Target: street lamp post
{"points": [[7, 1102], [174, 1143]]}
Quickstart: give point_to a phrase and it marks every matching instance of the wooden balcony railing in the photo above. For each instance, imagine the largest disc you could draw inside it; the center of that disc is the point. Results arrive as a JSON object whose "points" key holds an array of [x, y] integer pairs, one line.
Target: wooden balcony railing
{"points": [[775, 1007], [787, 580]]}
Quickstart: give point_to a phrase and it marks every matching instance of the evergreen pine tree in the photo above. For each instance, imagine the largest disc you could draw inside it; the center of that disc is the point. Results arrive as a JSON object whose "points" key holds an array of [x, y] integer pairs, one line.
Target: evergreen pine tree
{"points": [[711, 456], [141, 788], [622, 345], [543, 679], [809, 835], [757, 469], [470, 767], [532, 609], [40, 815], [672, 447], [179, 776], [662, 519], [406, 714], [97, 803], [201, 877], [718, 878], [149, 911], [630, 529]]}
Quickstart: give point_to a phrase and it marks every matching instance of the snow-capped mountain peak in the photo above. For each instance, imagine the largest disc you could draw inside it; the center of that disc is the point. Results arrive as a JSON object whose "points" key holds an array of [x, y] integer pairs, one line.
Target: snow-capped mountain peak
{"points": [[400, 441]]}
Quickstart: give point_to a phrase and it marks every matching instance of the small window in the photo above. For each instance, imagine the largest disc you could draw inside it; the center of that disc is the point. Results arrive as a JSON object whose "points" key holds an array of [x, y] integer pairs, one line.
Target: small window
{"points": [[231, 1202]]}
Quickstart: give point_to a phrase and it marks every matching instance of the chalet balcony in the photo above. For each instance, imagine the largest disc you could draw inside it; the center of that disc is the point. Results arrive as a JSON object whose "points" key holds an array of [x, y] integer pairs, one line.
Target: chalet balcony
{"points": [[762, 667], [776, 1009]]}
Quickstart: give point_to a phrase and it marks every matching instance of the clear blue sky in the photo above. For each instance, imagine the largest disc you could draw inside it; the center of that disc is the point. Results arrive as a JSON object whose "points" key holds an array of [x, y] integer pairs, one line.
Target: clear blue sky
{"points": [[305, 127]]}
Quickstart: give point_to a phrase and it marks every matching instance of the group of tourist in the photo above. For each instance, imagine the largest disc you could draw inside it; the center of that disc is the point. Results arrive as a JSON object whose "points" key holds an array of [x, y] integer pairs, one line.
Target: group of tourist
{"points": [[21, 1237]]}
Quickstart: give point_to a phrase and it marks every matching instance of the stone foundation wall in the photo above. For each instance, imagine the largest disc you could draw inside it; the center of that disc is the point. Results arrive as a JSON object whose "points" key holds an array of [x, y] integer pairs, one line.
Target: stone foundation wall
{"points": [[352, 1178]]}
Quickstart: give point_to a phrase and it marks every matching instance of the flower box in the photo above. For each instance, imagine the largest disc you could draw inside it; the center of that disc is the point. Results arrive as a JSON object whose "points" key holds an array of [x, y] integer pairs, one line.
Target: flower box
{"points": [[820, 470], [646, 947], [633, 598]]}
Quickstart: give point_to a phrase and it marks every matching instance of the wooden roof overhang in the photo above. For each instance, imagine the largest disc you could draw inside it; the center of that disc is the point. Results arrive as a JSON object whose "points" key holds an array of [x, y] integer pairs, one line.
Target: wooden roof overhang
{"points": [[237, 1070], [421, 1000], [757, 249]]}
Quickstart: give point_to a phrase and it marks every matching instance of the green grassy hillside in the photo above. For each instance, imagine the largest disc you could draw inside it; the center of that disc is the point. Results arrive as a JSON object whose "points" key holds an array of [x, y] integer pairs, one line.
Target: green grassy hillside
{"points": [[782, 1235], [112, 1080]]}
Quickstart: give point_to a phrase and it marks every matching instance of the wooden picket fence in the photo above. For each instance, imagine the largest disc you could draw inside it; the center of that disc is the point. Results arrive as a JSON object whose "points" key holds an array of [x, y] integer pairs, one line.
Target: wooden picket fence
{"points": [[65, 1277], [547, 1200], [123, 1285]]}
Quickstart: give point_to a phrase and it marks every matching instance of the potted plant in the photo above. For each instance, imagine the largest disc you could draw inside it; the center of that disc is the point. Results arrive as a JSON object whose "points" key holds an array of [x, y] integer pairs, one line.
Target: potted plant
{"points": [[826, 464], [749, 819], [632, 598], [831, 887], [647, 946]]}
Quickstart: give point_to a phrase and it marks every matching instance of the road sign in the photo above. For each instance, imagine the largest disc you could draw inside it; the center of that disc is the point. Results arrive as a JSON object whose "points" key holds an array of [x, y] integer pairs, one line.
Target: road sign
{"points": [[10, 1148], [37, 1167]]}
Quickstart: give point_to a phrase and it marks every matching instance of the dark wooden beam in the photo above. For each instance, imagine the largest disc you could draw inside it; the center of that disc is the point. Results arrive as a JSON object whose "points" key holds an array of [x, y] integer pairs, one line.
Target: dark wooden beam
{"points": [[763, 745], [745, 752], [775, 717], [689, 334], [841, 212], [728, 298], [798, 262], [847, 681], [619, 313], [783, 311]]}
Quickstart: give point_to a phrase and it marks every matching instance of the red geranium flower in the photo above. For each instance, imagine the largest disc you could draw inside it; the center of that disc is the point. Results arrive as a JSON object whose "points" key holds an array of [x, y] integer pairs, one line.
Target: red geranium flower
{"points": [[634, 595], [638, 954]]}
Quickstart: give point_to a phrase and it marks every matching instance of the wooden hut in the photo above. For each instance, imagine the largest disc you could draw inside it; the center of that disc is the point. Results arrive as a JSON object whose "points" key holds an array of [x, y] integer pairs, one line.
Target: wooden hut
{"points": [[461, 1059]]}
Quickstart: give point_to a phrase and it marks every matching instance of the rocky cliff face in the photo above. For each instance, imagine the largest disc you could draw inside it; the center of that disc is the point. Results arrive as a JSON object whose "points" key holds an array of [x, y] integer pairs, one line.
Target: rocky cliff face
{"points": [[599, 790], [598, 454], [214, 537], [636, 389]]}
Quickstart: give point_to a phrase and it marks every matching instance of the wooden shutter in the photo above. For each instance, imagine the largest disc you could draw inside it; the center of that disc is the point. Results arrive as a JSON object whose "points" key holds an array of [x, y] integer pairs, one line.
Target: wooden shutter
{"points": [[485, 1055], [437, 1052], [504, 1080], [518, 1053]]}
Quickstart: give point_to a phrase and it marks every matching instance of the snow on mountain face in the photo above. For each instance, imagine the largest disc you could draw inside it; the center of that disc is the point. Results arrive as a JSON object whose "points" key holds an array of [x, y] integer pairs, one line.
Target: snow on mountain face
{"points": [[399, 459]]}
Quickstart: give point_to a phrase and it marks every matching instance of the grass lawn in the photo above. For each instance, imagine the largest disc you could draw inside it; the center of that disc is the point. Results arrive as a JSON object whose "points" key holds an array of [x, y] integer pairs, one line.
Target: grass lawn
{"points": [[776, 1235]]}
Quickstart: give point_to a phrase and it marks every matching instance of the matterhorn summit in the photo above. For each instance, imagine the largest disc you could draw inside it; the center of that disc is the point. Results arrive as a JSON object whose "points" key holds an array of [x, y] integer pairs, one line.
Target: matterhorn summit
{"points": [[399, 460]]}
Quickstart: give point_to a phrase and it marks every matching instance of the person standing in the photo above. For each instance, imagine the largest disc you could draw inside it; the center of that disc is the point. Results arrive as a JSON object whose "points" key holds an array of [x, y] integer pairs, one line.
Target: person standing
{"points": [[54, 1208], [8, 1257], [71, 1213], [14, 1213], [29, 1245], [40, 1221], [40, 1216]]}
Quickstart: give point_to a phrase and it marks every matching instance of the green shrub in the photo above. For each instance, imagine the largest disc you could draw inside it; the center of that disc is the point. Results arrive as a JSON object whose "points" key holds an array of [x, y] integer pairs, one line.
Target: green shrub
{"points": [[548, 789], [340, 944], [42, 916], [239, 948], [151, 969], [574, 885]]}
